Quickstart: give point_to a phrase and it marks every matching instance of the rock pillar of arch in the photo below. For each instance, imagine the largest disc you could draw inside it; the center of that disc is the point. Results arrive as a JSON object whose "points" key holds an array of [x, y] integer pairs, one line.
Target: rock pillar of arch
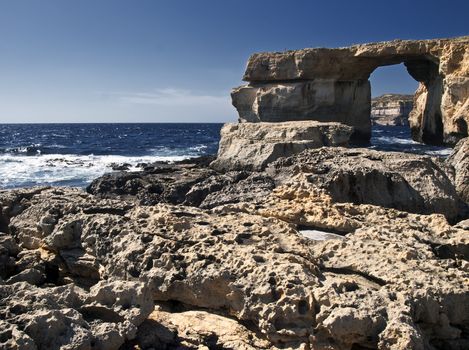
{"points": [[332, 85]]}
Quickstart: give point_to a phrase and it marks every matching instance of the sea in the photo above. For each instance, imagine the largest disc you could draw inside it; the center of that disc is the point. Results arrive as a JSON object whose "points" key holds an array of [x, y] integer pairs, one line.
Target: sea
{"points": [[75, 154]]}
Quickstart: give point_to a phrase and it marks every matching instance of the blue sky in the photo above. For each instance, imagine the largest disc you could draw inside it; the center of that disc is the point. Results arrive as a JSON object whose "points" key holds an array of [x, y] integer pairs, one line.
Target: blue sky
{"points": [[176, 61]]}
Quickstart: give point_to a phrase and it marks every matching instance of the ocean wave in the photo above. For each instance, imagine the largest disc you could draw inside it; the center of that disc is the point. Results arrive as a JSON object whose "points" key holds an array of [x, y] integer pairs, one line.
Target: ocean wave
{"points": [[31, 150], [192, 151], [74, 154], [198, 148], [395, 140], [65, 170], [398, 139]]}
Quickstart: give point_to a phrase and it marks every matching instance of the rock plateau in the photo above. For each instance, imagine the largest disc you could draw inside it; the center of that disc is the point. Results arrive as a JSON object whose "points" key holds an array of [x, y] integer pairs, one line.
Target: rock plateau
{"points": [[109, 273]]}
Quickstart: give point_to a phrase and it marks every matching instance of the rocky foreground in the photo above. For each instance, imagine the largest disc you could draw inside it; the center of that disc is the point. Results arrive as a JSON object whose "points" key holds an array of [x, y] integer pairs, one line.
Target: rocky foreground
{"points": [[183, 256]]}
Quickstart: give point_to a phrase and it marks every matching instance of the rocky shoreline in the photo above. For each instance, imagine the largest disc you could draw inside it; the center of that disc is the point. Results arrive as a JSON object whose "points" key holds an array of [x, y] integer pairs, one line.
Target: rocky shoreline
{"points": [[289, 239], [182, 256]]}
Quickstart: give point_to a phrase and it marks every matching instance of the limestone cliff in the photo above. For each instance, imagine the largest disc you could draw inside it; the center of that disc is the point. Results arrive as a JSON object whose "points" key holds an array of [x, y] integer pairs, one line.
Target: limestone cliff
{"points": [[332, 85], [391, 109]]}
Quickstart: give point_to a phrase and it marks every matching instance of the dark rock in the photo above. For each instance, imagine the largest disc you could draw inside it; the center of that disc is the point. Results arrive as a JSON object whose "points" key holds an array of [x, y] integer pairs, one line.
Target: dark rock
{"points": [[120, 167], [189, 182], [158, 183]]}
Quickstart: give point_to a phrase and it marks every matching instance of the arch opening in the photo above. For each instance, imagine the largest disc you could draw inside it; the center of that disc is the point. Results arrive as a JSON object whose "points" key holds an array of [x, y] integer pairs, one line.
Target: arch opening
{"points": [[392, 95], [420, 109]]}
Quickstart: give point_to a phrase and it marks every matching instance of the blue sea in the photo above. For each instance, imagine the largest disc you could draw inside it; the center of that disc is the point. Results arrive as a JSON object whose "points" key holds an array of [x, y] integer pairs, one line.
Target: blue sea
{"points": [[75, 154]]}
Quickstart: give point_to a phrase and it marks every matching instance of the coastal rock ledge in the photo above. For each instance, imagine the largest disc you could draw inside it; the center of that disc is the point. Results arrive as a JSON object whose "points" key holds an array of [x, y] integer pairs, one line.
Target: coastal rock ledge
{"points": [[331, 85], [303, 255]]}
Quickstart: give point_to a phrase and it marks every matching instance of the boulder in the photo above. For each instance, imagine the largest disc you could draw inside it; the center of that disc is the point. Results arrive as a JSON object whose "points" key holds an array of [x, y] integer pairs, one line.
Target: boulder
{"points": [[332, 85], [252, 146], [195, 329]]}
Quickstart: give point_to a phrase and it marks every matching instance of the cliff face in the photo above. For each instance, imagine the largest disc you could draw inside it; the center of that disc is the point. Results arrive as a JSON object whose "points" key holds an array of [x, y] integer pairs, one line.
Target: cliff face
{"points": [[391, 109], [332, 85]]}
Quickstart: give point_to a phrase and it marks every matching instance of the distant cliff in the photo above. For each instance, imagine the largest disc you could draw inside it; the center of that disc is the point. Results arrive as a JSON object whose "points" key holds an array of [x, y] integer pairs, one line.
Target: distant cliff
{"points": [[391, 109]]}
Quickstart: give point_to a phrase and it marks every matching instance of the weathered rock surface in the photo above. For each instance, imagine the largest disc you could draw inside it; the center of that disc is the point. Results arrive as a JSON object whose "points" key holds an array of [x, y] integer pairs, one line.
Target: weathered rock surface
{"points": [[320, 100], [232, 188], [363, 305], [181, 254], [159, 182], [252, 146], [68, 317], [237, 276], [332, 85], [403, 181], [195, 329], [413, 183], [190, 182], [459, 161], [391, 109]]}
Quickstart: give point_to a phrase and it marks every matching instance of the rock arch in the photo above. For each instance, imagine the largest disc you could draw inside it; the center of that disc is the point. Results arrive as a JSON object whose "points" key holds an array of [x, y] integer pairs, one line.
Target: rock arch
{"points": [[332, 85]]}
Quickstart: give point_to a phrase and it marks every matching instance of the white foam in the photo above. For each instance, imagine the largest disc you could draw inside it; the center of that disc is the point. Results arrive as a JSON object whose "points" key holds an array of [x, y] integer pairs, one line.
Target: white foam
{"points": [[198, 148], [395, 140], [409, 145], [56, 169]]}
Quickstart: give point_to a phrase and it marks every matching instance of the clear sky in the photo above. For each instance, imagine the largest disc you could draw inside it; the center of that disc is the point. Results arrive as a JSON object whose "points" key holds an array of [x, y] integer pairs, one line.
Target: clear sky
{"points": [[176, 61]]}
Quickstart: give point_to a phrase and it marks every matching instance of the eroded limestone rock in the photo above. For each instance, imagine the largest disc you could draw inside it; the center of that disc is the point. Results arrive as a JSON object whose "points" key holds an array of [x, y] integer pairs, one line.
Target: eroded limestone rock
{"points": [[414, 183], [397, 280], [254, 268], [332, 85], [67, 317], [194, 329], [377, 290], [403, 181], [252, 146], [459, 161]]}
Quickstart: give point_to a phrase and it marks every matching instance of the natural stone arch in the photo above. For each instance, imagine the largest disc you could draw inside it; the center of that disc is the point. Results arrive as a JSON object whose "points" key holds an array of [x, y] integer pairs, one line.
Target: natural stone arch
{"points": [[332, 85]]}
